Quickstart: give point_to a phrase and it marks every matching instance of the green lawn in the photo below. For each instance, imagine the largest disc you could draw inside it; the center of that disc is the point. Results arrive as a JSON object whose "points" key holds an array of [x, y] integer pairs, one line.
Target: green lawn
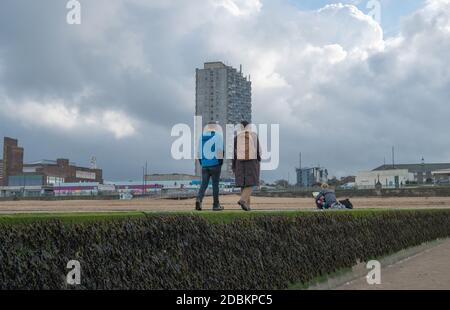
{"points": [[66, 217], [223, 216]]}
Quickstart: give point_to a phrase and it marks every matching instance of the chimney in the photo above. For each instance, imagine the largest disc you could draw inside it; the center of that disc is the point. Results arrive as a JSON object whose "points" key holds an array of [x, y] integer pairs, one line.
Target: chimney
{"points": [[62, 162]]}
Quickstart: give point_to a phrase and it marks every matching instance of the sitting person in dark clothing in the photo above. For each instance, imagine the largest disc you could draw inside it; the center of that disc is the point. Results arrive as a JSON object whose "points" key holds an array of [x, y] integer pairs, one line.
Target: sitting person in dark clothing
{"points": [[326, 199]]}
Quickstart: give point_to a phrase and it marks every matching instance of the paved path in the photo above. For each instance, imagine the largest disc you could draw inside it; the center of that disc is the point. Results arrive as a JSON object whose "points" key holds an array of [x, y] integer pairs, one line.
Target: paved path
{"points": [[428, 270]]}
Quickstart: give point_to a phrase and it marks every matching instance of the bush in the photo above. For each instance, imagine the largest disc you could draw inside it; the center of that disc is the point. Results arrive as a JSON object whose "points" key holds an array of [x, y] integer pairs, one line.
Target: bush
{"points": [[191, 252]]}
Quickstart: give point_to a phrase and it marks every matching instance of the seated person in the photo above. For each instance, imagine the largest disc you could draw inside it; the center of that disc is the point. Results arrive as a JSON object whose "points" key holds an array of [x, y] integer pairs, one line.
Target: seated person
{"points": [[326, 199]]}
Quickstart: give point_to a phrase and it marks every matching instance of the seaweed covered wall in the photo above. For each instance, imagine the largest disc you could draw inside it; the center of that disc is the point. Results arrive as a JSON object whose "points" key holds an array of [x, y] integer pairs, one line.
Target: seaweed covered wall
{"points": [[192, 252]]}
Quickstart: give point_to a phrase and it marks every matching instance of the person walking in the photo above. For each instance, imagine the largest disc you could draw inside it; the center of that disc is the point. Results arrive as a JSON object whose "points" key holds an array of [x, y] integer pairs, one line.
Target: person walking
{"points": [[246, 163], [211, 151]]}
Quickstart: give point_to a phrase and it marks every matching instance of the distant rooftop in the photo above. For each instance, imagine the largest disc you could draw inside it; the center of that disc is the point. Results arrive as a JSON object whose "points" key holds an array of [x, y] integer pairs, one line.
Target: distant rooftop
{"points": [[415, 167], [164, 174], [47, 162], [214, 65], [311, 167]]}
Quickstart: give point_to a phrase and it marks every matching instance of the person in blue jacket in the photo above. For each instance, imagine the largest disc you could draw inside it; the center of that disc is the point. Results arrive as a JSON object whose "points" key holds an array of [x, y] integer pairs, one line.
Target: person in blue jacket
{"points": [[211, 151]]}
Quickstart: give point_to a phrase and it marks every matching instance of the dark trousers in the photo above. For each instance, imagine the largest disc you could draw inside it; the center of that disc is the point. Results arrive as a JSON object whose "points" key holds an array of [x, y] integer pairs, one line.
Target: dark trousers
{"points": [[214, 174]]}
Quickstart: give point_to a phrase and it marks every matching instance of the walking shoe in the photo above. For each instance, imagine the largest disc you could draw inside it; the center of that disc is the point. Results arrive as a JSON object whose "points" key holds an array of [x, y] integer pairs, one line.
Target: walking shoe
{"points": [[198, 205], [217, 208], [244, 205]]}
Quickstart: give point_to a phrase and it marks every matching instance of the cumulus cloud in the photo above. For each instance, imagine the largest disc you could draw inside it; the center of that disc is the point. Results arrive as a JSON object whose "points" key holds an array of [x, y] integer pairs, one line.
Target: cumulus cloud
{"points": [[57, 115], [342, 93], [241, 7]]}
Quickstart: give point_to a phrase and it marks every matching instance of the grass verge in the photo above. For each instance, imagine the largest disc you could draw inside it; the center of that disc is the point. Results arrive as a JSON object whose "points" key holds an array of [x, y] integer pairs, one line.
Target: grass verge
{"points": [[211, 216]]}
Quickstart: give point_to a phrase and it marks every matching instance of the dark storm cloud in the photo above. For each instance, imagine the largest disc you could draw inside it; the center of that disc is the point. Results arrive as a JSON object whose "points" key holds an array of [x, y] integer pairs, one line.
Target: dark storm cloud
{"points": [[44, 57]]}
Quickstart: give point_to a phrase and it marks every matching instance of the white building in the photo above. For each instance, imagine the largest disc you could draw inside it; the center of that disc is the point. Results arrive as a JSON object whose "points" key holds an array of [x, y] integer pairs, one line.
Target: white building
{"points": [[441, 176], [423, 172], [394, 178]]}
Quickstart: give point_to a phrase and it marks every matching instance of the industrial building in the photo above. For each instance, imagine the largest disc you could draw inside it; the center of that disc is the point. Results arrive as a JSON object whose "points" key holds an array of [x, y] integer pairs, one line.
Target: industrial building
{"points": [[224, 95], [309, 177], [41, 173]]}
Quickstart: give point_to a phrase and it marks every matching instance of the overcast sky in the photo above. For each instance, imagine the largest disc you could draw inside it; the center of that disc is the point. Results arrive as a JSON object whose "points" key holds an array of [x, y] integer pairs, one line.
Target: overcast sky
{"points": [[343, 87]]}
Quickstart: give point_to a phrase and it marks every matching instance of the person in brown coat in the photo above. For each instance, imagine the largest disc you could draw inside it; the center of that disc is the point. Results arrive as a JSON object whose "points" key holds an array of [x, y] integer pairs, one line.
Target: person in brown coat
{"points": [[246, 163]]}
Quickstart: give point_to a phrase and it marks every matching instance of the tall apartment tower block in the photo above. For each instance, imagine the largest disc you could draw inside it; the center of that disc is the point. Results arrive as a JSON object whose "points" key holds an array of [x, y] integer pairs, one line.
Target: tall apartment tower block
{"points": [[223, 94]]}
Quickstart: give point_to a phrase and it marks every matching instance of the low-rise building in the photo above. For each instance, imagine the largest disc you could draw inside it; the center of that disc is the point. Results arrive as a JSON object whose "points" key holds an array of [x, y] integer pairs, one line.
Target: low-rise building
{"points": [[441, 176], [135, 187], [171, 177], [422, 172], [62, 171], [76, 189], [25, 191], [393, 178], [41, 173]]}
